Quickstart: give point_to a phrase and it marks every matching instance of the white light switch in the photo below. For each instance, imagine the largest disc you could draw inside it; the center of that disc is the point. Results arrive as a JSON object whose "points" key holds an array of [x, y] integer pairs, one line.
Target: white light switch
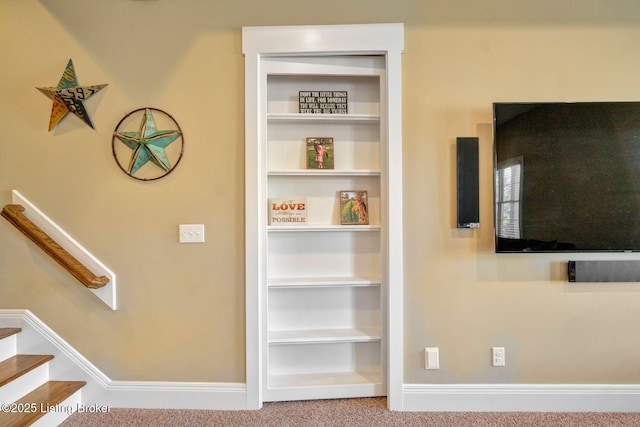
{"points": [[191, 233], [431, 358]]}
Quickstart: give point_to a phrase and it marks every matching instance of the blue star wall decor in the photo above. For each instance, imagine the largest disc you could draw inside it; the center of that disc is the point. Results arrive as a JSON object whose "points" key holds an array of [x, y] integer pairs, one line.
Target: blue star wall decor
{"points": [[68, 96], [151, 154]]}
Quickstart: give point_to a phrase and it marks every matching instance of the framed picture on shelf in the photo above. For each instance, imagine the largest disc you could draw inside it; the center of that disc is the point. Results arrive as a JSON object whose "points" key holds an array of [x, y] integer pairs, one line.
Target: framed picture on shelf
{"points": [[323, 102], [289, 212], [319, 153], [354, 207]]}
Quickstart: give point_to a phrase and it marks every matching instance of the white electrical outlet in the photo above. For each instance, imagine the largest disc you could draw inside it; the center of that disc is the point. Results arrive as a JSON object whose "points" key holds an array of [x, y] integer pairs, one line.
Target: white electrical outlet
{"points": [[191, 233], [431, 358], [498, 356]]}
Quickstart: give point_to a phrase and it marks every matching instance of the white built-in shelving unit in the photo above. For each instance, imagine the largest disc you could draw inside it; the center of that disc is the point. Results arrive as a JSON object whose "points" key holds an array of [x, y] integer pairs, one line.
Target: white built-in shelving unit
{"points": [[319, 296]]}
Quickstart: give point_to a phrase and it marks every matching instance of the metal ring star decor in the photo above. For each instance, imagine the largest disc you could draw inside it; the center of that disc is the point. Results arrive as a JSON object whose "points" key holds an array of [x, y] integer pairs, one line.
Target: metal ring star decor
{"points": [[148, 153]]}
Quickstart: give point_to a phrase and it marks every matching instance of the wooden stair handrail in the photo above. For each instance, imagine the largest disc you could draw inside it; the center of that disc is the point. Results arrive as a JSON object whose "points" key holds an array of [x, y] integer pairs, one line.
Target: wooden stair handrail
{"points": [[13, 214]]}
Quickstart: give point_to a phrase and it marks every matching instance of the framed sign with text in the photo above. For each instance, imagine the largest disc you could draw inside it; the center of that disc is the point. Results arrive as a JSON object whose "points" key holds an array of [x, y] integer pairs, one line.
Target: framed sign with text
{"points": [[323, 102]]}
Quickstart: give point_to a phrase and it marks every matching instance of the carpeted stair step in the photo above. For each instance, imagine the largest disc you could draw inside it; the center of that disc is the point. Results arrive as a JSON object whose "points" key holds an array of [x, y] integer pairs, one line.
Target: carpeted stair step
{"points": [[40, 402]]}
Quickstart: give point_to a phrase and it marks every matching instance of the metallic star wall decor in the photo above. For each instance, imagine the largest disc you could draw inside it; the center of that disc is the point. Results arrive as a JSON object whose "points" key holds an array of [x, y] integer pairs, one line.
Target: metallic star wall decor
{"points": [[149, 146], [68, 96]]}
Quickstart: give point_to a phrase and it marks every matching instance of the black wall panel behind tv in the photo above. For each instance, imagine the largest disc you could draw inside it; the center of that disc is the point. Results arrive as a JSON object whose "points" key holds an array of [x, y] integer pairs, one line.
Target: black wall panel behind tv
{"points": [[467, 182]]}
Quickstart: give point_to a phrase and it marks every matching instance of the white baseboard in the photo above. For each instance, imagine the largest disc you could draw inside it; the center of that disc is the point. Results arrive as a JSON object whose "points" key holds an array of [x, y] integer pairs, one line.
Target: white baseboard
{"points": [[175, 395], [521, 397], [103, 391]]}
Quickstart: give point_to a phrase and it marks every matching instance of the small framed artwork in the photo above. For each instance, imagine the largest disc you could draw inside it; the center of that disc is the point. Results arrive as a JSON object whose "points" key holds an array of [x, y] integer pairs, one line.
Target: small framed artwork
{"points": [[319, 153], [354, 207]]}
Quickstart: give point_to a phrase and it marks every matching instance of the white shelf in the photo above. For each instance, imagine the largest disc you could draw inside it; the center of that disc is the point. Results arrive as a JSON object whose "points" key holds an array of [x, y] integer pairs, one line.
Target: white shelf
{"points": [[323, 172], [324, 331], [327, 379], [320, 336], [295, 117], [321, 228], [321, 282]]}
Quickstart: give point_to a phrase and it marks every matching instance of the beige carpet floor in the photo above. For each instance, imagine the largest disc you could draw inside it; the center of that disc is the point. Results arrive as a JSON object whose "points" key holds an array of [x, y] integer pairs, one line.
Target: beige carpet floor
{"points": [[344, 412]]}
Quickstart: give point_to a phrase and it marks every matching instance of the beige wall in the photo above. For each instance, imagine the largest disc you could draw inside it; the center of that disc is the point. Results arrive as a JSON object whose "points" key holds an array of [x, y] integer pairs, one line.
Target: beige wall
{"points": [[181, 307]]}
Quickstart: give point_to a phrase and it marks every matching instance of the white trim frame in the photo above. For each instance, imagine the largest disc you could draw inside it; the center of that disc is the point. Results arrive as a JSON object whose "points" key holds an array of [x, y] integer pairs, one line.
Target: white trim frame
{"points": [[371, 39]]}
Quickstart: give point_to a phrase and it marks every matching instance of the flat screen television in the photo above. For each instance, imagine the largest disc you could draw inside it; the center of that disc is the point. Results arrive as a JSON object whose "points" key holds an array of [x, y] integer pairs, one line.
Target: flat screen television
{"points": [[567, 177]]}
